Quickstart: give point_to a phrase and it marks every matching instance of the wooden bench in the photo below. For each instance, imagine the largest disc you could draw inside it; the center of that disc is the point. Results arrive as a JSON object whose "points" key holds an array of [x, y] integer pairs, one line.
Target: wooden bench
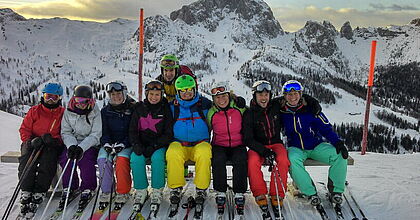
{"points": [[12, 157]]}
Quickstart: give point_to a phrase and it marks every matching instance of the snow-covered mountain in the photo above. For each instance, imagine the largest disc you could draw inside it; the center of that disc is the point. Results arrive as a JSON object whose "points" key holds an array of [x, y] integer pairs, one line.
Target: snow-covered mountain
{"points": [[237, 41]]}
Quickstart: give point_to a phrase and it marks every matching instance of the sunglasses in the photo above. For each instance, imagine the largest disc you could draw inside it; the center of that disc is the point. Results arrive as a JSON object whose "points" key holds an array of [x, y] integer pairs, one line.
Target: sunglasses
{"points": [[114, 87], [167, 64], [52, 97], [292, 86], [218, 90], [186, 90], [263, 86]]}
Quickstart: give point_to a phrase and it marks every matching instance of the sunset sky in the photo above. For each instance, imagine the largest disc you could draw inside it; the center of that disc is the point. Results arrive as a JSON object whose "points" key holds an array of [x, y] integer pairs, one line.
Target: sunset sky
{"points": [[292, 14]]}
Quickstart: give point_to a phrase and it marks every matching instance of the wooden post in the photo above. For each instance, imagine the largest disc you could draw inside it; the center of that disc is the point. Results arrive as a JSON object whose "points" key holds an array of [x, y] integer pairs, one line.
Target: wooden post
{"points": [[369, 97], [141, 51]]}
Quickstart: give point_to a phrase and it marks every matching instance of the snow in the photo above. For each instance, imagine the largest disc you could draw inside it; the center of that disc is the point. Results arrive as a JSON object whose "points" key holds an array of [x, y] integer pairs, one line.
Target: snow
{"points": [[386, 186]]}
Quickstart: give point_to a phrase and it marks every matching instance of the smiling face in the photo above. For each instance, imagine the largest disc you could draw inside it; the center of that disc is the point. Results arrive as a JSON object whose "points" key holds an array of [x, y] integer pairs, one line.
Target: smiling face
{"points": [[222, 100], [262, 98], [116, 97], [293, 98], [186, 94], [169, 74], [154, 96]]}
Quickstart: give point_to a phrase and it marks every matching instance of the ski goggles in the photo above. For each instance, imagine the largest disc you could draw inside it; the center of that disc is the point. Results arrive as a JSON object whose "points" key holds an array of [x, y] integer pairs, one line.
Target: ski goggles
{"points": [[114, 87], [83, 102], [168, 64], [49, 96], [218, 91], [263, 86], [154, 86], [186, 90], [292, 86]]}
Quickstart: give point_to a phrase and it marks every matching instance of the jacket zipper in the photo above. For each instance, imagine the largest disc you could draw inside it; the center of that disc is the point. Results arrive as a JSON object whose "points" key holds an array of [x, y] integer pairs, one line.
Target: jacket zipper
{"points": [[269, 127], [228, 130], [300, 136]]}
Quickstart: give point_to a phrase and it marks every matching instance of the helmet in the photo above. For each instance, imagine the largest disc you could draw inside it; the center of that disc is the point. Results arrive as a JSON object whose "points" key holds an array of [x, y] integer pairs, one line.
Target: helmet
{"points": [[220, 88], [154, 85], [185, 82], [292, 85], [169, 61], [117, 86], [83, 91], [53, 88], [260, 86]]}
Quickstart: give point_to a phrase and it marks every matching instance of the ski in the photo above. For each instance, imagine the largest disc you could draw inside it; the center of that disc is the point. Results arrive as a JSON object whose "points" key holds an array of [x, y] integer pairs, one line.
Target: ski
{"points": [[297, 194], [136, 213], [230, 203], [102, 208], [174, 205], [189, 205], [322, 212], [336, 207], [154, 208], [278, 214], [59, 211], [351, 209], [265, 213], [354, 200], [116, 211], [81, 208]]}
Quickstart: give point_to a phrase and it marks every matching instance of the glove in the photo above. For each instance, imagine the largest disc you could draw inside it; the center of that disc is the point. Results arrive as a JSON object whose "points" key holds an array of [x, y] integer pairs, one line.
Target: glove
{"points": [[75, 152], [270, 156], [313, 104], [341, 148], [148, 151], [118, 147], [37, 143], [240, 102], [49, 140], [108, 148], [26, 147]]}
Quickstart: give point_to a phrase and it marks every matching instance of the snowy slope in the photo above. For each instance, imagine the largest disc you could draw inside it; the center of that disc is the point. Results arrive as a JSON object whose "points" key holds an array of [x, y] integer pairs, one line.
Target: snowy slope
{"points": [[386, 186]]}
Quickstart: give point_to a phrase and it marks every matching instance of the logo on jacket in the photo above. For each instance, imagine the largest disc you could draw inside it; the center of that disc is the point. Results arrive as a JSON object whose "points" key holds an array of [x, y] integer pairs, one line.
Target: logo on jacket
{"points": [[149, 123]]}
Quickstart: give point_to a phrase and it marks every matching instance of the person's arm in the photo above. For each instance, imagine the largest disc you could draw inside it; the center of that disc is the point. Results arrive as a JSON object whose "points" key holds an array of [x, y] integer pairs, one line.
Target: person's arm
{"points": [[95, 135], [67, 131], [106, 138], [312, 104], [25, 129], [326, 129], [133, 131], [248, 134], [168, 132]]}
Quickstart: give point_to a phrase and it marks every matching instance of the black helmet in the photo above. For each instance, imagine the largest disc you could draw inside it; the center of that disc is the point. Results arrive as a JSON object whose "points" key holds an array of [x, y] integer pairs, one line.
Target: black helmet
{"points": [[83, 91]]}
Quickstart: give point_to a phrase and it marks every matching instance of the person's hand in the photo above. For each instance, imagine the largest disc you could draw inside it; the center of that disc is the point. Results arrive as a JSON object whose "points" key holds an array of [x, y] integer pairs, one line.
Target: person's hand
{"points": [[108, 148], [37, 143], [75, 152], [341, 148], [269, 155], [49, 140], [118, 147]]}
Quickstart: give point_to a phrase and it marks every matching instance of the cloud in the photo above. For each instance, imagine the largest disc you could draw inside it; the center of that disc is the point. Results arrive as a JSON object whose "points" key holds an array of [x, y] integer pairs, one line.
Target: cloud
{"points": [[292, 19], [393, 7], [99, 10]]}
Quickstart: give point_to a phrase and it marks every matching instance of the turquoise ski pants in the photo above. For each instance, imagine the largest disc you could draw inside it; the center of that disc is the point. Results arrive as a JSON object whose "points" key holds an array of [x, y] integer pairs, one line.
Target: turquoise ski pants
{"points": [[138, 167], [324, 152]]}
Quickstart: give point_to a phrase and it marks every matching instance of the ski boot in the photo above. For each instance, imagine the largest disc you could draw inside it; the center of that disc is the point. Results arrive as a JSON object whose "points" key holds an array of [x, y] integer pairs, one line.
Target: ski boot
{"points": [[155, 200], [336, 198], [261, 201], [240, 203], [120, 200], [85, 198], [140, 197], [275, 204], [104, 200], [200, 197], [25, 200], [220, 202], [62, 201], [175, 199], [314, 200]]}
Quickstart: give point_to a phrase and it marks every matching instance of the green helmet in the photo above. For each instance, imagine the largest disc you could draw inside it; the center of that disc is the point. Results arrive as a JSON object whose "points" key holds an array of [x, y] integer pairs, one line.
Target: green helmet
{"points": [[185, 82], [169, 61]]}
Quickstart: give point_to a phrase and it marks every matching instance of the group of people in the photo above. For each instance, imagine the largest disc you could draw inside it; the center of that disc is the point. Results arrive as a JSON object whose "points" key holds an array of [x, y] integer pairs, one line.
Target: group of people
{"points": [[172, 125]]}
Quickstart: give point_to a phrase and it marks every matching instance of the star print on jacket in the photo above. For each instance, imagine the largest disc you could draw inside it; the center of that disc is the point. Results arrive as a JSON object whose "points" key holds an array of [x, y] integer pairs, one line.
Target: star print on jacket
{"points": [[149, 123]]}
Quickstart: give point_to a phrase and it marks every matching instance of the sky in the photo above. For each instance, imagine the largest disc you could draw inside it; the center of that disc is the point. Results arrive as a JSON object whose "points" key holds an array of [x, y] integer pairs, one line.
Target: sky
{"points": [[292, 14]]}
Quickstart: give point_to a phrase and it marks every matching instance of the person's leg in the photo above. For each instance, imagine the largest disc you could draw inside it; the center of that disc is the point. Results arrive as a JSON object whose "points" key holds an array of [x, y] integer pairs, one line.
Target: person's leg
{"points": [[47, 168], [122, 171], [176, 157], [105, 170], [88, 170], [66, 176], [29, 181], [138, 168], [256, 178], [239, 158], [201, 154], [218, 161], [298, 172], [326, 153], [158, 168], [282, 167]]}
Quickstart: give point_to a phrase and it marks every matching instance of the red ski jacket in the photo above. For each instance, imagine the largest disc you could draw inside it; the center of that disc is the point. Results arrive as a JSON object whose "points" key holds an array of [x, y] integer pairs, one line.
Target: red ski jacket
{"points": [[41, 120]]}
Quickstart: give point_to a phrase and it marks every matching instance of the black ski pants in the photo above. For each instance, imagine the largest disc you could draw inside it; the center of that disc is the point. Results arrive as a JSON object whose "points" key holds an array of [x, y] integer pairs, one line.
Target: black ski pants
{"points": [[40, 175], [239, 157]]}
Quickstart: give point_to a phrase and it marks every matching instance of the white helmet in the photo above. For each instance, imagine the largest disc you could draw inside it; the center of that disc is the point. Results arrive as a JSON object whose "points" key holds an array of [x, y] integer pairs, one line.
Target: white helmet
{"points": [[220, 88]]}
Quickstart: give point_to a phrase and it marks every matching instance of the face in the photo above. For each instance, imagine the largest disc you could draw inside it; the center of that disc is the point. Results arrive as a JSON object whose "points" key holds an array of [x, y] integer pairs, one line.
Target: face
{"points": [[293, 98], [154, 96], [222, 100], [262, 98], [186, 95], [116, 97], [169, 74]]}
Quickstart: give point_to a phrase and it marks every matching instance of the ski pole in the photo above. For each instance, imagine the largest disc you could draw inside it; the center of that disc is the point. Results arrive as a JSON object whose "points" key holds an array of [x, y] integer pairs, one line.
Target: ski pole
{"points": [[274, 164], [351, 209], [55, 189], [69, 188], [282, 186], [354, 200], [100, 184], [29, 164], [113, 154]]}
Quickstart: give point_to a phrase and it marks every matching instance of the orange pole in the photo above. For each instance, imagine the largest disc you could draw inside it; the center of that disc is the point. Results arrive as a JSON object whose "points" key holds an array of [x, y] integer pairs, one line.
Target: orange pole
{"points": [[141, 51], [368, 97]]}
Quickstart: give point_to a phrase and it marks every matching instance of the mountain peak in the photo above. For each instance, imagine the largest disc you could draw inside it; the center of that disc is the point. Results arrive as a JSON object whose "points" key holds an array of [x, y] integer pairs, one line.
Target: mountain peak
{"points": [[346, 31], [210, 12], [416, 22], [7, 14]]}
